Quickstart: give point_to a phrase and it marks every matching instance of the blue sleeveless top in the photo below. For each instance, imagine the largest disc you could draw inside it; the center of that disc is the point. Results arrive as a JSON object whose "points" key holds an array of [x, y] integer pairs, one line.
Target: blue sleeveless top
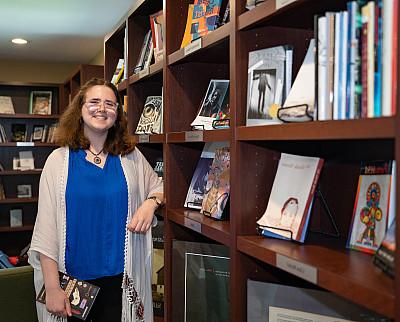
{"points": [[97, 208]]}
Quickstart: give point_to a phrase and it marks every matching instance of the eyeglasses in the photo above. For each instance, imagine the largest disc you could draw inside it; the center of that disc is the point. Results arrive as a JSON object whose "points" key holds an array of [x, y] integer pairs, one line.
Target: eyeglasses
{"points": [[94, 105]]}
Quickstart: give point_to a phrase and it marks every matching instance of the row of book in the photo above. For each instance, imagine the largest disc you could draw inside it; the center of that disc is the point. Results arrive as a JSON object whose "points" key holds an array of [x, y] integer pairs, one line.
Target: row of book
{"points": [[201, 292], [356, 72], [19, 133], [39, 103]]}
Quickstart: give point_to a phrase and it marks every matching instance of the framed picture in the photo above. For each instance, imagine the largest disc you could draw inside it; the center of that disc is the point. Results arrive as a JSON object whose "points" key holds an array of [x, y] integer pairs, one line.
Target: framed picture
{"points": [[37, 132], [24, 191], [40, 102]]}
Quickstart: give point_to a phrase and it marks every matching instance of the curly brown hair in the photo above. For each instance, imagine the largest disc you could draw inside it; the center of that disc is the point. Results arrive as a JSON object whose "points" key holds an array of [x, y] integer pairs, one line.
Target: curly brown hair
{"points": [[70, 130]]}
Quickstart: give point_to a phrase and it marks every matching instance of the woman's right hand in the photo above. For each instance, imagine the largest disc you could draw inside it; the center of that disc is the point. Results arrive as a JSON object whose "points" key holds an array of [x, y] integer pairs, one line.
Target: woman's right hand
{"points": [[57, 302]]}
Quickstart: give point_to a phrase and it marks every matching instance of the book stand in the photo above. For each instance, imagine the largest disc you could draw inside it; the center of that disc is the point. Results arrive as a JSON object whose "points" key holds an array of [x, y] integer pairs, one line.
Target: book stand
{"points": [[288, 108], [260, 228]]}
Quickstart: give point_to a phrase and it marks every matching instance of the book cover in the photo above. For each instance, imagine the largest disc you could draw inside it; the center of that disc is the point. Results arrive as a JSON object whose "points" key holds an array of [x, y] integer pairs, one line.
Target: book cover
{"points": [[289, 203], [385, 255], [159, 167], [157, 284], [196, 191], [205, 17], [16, 218], [119, 71], [262, 298], [213, 104], [81, 295], [266, 84], [6, 105], [40, 102], [217, 190], [156, 24], [187, 36], [18, 132], [371, 206], [146, 54], [200, 281], [149, 122]]}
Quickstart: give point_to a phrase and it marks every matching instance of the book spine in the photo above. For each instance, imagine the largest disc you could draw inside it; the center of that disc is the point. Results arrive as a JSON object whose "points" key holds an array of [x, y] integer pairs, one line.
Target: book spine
{"points": [[371, 57], [322, 100], [395, 56], [337, 66], [330, 62], [344, 46], [310, 198], [364, 65]]}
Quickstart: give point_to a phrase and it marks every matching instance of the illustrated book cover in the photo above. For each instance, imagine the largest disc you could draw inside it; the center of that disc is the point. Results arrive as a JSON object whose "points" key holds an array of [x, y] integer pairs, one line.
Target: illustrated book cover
{"points": [[371, 206], [119, 71], [268, 79], [214, 104], [146, 54], [288, 210], [40, 102], [18, 132], [81, 295], [217, 190], [195, 194], [151, 119], [205, 17], [200, 282], [6, 105]]}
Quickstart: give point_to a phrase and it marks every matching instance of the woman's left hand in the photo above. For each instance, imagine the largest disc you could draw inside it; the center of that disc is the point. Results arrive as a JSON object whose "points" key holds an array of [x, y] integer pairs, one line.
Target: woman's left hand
{"points": [[143, 217]]}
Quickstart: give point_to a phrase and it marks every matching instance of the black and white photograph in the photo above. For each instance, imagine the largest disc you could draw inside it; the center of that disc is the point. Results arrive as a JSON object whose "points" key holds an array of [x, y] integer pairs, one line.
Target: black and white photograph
{"points": [[24, 191], [37, 132]]}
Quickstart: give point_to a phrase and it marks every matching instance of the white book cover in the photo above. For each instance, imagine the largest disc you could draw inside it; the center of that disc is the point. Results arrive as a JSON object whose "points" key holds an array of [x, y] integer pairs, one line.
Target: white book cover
{"points": [[196, 191], [337, 67], [343, 74], [300, 104], [214, 102], [26, 161], [322, 68], [291, 196], [16, 218], [387, 44], [265, 84]]}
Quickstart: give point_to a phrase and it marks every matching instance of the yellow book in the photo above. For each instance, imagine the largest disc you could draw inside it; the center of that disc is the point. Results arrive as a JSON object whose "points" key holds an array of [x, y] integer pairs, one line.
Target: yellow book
{"points": [[187, 36]]}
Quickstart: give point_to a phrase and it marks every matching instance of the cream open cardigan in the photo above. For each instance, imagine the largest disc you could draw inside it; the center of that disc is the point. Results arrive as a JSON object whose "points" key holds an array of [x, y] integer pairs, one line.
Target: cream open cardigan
{"points": [[49, 234]]}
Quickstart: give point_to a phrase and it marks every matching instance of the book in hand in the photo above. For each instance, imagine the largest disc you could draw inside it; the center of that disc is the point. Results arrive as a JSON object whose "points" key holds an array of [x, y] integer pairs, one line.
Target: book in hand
{"points": [[195, 194], [151, 119], [217, 189], [81, 295], [268, 83], [371, 206], [214, 104], [384, 256], [289, 205]]}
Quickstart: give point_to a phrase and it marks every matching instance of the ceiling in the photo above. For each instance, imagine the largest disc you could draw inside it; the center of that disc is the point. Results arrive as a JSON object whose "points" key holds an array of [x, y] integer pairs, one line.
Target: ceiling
{"points": [[58, 30]]}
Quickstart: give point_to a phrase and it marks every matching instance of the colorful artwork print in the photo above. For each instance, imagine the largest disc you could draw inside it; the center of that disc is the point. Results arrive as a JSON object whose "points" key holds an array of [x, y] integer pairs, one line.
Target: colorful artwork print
{"points": [[205, 17], [371, 214]]}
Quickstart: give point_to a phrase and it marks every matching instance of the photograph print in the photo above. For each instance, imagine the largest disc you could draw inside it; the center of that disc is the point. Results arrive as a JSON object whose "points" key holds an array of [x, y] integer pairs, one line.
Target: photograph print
{"points": [[40, 102], [212, 104], [265, 85]]}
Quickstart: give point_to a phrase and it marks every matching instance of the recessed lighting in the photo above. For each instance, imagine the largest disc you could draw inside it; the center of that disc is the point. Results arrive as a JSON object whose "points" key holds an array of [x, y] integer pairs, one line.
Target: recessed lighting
{"points": [[19, 41]]}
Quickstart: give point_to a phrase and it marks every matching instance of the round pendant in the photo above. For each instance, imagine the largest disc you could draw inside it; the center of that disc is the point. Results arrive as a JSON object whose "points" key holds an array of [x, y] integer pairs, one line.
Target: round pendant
{"points": [[97, 160]]}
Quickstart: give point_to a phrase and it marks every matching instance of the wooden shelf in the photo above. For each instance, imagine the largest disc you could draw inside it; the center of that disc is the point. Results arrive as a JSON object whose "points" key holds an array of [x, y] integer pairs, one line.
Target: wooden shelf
{"points": [[18, 200], [194, 220], [25, 145], [29, 116], [149, 138], [349, 274], [211, 40], [198, 136], [19, 172], [153, 70], [16, 229], [378, 128], [123, 85], [158, 318]]}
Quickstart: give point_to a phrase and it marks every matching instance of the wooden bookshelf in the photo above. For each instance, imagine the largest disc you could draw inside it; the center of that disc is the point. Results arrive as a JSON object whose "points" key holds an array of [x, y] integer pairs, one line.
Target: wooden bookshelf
{"points": [[15, 238], [183, 77]]}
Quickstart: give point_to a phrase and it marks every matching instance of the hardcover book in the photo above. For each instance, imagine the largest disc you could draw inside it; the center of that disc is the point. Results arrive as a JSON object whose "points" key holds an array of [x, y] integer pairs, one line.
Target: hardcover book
{"points": [[205, 17], [18, 132], [371, 206], [217, 190], [214, 105], [150, 120], [195, 194], [6, 105], [200, 281], [288, 210], [81, 295], [384, 256], [267, 83]]}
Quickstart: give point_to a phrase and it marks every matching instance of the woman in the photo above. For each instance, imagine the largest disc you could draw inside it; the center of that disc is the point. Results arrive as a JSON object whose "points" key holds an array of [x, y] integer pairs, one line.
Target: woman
{"points": [[97, 197]]}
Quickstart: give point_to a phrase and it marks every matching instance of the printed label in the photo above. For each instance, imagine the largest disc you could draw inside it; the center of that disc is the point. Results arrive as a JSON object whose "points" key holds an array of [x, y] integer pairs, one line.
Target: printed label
{"points": [[144, 138], [191, 48], [194, 136], [307, 272], [25, 143], [282, 3], [194, 225]]}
